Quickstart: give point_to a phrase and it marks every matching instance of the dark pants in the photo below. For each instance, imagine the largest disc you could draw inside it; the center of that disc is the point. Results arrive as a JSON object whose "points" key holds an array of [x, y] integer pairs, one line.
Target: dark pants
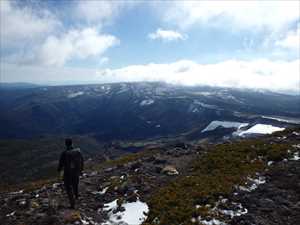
{"points": [[71, 182]]}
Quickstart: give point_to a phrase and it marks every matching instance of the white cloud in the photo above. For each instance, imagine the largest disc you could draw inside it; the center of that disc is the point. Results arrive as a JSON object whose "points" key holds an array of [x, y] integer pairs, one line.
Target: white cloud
{"points": [[21, 25], [167, 35], [280, 76], [258, 74], [291, 40], [100, 12], [79, 44], [36, 36], [273, 15]]}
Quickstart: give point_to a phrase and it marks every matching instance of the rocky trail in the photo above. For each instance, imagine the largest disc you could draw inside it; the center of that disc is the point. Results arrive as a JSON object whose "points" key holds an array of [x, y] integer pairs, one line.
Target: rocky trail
{"points": [[129, 182], [119, 192]]}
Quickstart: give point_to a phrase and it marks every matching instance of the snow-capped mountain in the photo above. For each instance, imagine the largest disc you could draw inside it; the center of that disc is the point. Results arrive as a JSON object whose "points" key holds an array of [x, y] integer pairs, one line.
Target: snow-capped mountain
{"points": [[137, 110]]}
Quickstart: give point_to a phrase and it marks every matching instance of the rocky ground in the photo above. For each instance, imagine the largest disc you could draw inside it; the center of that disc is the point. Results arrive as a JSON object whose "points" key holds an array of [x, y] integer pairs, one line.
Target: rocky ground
{"points": [[126, 180], [275, 202], [106, 192]]}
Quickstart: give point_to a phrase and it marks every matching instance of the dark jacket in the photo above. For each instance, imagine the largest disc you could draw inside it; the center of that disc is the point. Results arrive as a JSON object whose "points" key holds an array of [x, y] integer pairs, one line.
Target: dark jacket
{"points": [[71, 161]]}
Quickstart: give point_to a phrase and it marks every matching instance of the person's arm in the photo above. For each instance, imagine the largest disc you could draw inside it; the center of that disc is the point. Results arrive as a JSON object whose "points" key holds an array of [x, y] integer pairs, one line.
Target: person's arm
{"points": [[61, 162]]}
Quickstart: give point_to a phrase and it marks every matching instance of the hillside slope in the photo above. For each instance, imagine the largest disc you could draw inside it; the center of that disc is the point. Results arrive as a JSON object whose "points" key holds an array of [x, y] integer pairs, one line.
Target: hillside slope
{"points": [[254, 181]]}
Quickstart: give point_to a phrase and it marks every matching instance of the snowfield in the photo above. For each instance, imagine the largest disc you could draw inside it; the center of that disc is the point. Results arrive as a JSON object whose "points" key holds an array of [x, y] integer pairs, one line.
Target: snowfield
{"points": [[226, 124], [261, 129]]}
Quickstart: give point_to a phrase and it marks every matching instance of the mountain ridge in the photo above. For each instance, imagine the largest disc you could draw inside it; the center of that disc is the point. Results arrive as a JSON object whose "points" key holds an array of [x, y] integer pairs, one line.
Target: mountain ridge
{"points": [[177, 184], [133, 110]]}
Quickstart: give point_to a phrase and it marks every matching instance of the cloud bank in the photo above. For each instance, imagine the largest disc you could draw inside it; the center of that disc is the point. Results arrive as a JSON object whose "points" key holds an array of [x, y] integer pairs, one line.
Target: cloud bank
{"points": [[280, 76], [257, 74]]}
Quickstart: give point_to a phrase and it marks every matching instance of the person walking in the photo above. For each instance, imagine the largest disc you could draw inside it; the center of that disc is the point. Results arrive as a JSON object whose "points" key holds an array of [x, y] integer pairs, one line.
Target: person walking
{"points": [[71, 162]]}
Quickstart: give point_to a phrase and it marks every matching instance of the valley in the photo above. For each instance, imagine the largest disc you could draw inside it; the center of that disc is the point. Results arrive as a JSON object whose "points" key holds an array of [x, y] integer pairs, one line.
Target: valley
{"points": [[110, 120]]}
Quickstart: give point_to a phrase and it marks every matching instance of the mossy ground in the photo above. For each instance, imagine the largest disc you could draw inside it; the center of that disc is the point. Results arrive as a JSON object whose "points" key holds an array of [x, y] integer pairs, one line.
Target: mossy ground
{"points": [[213, 175]]}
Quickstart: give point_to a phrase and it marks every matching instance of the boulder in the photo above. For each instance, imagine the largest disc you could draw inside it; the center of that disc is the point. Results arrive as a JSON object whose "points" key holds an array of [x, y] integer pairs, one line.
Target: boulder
{"points": [[170, 170], [34, 204]]}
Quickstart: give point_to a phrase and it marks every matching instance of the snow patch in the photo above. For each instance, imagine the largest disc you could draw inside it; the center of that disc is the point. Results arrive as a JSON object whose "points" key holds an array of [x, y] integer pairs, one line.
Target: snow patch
{"points": [[104, 190], [295, 156], [134, 213], [11, 214], [252, 184], [226, 124], [194, 107], [286, 120], [261, 129], [55, 185], [75, 94], [222, 207], [256, 182], [211, 222], [195, 110], [204, 93], [296, 146], [17, 192], [106, 89], [206, 105], [233, 213], [147, 102]]}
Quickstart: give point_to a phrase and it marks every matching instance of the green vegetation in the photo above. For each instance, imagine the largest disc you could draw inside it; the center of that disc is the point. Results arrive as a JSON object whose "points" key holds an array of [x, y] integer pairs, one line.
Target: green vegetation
{"points": [[215, 174]]}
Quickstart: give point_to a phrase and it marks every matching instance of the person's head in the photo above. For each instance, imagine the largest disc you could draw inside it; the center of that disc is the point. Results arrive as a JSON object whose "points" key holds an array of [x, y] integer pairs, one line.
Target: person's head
{"points": [[68, 142]]}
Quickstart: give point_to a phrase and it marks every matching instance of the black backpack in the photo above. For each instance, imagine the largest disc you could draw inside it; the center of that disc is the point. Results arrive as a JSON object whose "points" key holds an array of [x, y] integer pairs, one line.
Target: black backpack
{"points": [[73, 159]]}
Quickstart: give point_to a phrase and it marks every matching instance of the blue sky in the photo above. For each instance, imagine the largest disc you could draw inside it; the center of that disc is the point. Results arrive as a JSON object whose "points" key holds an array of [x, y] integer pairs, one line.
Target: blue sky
{"points": [[224, 43]]}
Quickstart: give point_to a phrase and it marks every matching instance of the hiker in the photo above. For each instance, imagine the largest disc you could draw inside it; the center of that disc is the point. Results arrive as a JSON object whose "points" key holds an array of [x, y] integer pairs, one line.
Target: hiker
{"points": [[71, 161]]}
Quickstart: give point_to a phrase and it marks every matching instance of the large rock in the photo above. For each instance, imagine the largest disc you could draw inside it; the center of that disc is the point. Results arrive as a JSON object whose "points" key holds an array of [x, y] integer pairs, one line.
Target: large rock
{"points": [[170, 170]]}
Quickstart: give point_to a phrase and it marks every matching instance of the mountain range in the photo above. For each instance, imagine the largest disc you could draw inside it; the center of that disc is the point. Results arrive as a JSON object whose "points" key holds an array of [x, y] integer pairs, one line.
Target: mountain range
{"points": [[123, 111]]}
